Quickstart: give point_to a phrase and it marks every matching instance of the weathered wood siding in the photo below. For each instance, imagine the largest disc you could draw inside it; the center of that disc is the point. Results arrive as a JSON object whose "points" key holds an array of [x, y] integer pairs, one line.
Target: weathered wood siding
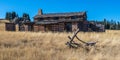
{"points": [[55, 27], [21, 28], [85, 26], [50, 27], [61, 27], [41, 28], [36, 29], [10, 27], [26, 28], [74, 26]]}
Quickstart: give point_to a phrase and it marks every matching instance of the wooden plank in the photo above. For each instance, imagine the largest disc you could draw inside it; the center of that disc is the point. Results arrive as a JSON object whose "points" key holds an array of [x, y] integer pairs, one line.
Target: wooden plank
{"points": [[10, 27]]}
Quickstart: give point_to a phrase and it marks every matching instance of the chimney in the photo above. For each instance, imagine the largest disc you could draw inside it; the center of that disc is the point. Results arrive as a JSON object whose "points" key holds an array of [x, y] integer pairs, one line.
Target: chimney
{"points": [[40, 12]]}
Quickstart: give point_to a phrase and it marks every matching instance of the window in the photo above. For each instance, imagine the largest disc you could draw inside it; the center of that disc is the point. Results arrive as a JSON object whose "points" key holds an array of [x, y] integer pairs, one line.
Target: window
{"points": [[56, 18], [80, 16], [66, 17], [73, 17], [41, 19]]}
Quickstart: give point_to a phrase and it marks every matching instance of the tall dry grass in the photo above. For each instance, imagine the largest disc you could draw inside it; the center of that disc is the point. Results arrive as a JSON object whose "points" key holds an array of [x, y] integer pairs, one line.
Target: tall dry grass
{"points": [[51, 46]]}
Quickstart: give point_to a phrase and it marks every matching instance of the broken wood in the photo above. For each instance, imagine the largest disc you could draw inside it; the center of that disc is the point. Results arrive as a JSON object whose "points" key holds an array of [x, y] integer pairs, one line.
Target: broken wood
{"points": [[72, 44], [74, 35]]}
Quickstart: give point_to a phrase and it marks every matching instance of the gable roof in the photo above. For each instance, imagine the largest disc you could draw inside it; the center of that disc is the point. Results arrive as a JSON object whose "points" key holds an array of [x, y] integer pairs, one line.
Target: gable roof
{"points": [[59, 14]]}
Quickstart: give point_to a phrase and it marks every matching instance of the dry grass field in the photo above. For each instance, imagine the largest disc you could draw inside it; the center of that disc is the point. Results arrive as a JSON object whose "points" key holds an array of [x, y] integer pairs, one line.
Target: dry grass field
{"points": [[51, 46]]}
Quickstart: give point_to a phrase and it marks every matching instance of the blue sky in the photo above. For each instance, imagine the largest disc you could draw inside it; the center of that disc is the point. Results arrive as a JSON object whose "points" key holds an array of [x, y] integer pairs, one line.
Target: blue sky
{"points": [[96, 9]]}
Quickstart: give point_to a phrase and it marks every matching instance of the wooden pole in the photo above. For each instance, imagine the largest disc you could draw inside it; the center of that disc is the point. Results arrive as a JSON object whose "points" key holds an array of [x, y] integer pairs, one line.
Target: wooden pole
{"points": [[71, 40]]}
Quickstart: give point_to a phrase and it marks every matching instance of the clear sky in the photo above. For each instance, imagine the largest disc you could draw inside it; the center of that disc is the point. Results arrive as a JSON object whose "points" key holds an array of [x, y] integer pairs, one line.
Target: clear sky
{"points": [[96, 9]]}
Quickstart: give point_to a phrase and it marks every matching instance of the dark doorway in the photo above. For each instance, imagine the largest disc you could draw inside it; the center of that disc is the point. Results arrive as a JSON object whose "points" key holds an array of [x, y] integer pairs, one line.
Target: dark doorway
{"points": [[80, 26], [68, 27], [10, 27]]}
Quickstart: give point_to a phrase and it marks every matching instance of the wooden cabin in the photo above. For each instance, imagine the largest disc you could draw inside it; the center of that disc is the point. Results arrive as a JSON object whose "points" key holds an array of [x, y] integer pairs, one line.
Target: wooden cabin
{"points": [[60, 21]]}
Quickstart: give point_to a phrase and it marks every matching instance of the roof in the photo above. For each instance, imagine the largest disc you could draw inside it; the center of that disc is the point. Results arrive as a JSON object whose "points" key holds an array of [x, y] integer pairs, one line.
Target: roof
{"points": [[47, 22], [4, 21], [57, 21], [59, 14], [30, 23]]}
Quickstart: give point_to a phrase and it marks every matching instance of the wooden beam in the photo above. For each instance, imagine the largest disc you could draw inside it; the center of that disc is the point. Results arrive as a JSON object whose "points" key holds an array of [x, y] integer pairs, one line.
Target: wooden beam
{"points": [[74, 35], [80, 40]]}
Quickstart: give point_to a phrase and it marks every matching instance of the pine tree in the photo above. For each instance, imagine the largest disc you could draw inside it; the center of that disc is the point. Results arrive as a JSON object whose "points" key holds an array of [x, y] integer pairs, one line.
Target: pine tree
{"points": [[14, 15], [105, 23], [26, 17], [118, 25], [8, 16]]}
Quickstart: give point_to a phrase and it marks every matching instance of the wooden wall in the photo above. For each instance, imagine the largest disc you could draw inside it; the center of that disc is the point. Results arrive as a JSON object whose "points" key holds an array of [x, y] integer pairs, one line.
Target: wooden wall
{"points": [[85, 26], [36, 28], [50, 27], [61, 27], [10, 27], [55, 27], [74, 26], [41, 28]]}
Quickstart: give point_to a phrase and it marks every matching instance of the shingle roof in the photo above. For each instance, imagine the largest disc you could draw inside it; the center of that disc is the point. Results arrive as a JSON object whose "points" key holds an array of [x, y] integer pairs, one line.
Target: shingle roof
{"points": [[57, 21], [59, 14], [47, 22]]}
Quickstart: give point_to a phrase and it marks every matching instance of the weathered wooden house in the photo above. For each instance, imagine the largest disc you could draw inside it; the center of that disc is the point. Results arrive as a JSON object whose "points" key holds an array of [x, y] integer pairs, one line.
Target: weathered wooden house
{"points": [[60, 21], [56, 22]]}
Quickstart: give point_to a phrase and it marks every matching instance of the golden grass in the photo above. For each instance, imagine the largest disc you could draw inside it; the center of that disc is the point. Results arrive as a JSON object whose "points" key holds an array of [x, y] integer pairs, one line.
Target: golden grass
{"points": [[51, 46]]}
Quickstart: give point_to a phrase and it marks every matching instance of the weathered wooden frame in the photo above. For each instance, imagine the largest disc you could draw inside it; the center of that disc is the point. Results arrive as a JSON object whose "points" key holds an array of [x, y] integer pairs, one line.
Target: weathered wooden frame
{"points": [[72, 44]]}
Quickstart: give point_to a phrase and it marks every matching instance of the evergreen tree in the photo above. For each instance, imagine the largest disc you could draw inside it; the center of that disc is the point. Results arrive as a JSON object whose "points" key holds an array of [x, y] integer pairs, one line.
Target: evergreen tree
{"points": [[118, 23], [26, 17], [8, 16], [14, 15], [105, 23], [115, 25]]}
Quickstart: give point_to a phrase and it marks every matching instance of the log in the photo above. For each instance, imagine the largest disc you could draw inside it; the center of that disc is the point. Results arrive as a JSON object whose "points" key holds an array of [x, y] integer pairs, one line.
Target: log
{"points": [[74, 35], [72, 44], [80, 40]]}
